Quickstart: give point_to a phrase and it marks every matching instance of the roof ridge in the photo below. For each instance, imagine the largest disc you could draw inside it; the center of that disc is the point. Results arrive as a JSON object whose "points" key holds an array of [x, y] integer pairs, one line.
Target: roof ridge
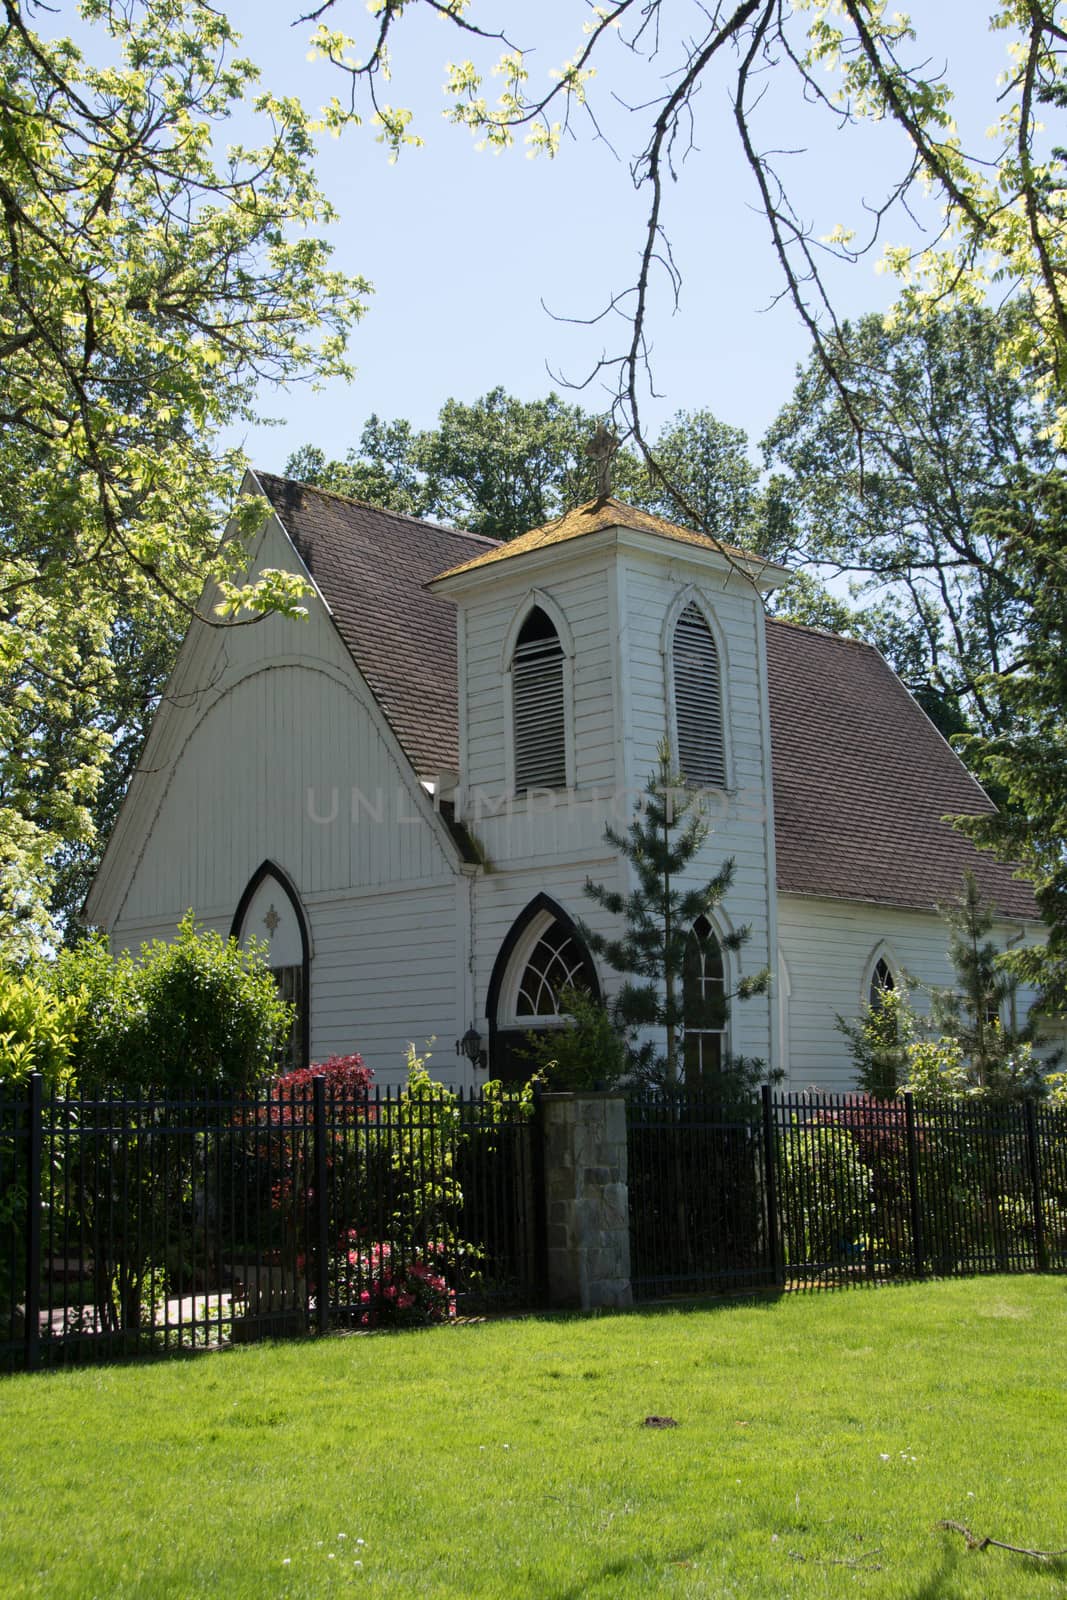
{"points": [[383, 511], [823, 633]]}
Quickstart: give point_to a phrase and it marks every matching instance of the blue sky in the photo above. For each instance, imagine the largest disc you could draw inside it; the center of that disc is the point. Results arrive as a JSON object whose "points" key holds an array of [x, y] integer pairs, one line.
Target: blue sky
{"points": [[465, 249]]}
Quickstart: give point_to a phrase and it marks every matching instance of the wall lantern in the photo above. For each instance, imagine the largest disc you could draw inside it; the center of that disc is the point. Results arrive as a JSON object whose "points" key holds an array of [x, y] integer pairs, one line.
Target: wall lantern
{"points": [[471, 1046]]}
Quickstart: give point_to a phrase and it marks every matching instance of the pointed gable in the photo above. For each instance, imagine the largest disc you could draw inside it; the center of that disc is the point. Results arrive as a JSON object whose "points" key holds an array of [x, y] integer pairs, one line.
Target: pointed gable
{"points": [[370, 566]]}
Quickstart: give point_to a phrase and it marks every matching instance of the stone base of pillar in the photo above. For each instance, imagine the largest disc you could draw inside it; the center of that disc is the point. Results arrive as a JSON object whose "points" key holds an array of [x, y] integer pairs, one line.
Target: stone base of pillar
{"points": [[587, 1200]]}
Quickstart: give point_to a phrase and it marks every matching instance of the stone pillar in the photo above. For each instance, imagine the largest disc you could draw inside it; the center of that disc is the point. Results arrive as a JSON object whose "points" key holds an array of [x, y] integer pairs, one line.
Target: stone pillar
{"points": [[587, 1200]]}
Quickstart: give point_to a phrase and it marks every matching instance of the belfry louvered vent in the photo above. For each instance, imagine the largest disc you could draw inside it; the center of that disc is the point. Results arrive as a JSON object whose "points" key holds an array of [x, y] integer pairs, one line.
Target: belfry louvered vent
{"points": [[698, 702], [538, 705]]}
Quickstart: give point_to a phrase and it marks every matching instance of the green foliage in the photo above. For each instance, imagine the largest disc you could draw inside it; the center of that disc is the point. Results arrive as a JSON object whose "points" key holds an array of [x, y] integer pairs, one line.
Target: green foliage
{"points": [[660, 844], [38, 1030], [151, 279], [895, 455], [700, 476], [817, 1162], [590, 1053], [963, 1048], [999, 1057], [500, 466], [1027, 760], [878, 1043], [200, 1013]]}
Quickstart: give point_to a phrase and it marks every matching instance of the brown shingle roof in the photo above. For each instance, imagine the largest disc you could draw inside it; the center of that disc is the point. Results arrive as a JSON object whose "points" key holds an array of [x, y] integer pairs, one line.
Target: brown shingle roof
{"points": [[861, 776], [371, 566], [862, 779], [607, 512]]}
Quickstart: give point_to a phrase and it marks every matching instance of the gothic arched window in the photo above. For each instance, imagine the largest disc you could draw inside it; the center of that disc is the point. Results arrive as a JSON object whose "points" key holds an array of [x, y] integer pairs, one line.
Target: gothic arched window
{"points": [[557, 961], [703, 1003], [698, 701], [882, 983], [270, 912]]}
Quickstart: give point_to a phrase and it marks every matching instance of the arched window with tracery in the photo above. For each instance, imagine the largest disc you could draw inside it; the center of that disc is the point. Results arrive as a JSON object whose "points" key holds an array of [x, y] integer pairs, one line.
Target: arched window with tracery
{"points": [[703, 1004], [538, 705], [542, 957], [698, 701], [270, 912], [882, 983]]}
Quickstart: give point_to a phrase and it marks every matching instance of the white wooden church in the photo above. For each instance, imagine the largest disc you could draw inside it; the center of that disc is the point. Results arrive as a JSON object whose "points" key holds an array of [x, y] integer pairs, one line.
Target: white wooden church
{"points": [[404, 792]]}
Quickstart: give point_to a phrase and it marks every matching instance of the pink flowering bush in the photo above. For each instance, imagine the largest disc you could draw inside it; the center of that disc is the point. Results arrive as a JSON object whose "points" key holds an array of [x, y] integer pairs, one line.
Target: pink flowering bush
{"points": [[385, 1289]]}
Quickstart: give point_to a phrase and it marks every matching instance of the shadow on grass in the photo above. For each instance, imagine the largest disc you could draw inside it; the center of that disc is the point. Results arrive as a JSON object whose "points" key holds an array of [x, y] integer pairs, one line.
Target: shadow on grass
{"points": [[615, 1570], [954, 1557]]}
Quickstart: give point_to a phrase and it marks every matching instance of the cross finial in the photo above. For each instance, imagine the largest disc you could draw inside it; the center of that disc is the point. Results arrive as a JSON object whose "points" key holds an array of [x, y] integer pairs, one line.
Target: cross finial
{"points": [[601, 451], [271, 921]]}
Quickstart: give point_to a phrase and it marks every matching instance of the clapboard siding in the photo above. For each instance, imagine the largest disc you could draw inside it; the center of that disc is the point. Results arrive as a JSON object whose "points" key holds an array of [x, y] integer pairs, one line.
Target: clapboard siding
{"points": [[829, 947]]}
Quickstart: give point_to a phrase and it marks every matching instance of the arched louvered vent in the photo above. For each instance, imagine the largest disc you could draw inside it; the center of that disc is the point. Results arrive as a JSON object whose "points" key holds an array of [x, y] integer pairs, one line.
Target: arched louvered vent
{"points": [[698, 702], [540, 727]]}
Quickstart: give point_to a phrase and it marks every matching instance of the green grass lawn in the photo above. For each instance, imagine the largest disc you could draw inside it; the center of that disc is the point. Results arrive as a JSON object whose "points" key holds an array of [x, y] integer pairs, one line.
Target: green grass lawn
{"points": [[819, 1441]]}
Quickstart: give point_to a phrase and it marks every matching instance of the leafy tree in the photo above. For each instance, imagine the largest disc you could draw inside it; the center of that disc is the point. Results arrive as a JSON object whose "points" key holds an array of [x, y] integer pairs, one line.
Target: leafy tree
{"points": [[147, 285], [996, 212], [878, 1043], [1028, 757], [497, 466], [199, 1013], [894, 493], [501, 466], [660, 844], [588, 1054], [700, 475], [384, 471], [971, 1012], [964, 1046]]}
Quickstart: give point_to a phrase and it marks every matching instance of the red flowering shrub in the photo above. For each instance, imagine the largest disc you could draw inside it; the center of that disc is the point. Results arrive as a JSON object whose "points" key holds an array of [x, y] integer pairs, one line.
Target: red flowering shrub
{"points": [[348, 1080], [387, 1290]]}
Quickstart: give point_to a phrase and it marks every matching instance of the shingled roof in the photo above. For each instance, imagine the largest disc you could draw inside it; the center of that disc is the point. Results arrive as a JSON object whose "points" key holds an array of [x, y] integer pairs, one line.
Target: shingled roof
{"points": [[594, 515], [372, 566], [862, 778]]}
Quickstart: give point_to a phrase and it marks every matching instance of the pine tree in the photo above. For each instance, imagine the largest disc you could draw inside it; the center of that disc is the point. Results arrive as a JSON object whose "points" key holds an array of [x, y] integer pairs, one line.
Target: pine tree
{"points": [[663, 838], [971, 1013]]}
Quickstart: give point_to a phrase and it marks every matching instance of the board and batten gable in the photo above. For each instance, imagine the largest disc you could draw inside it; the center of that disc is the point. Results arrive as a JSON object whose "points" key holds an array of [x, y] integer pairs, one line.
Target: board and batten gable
{"points": [[269, 747]]}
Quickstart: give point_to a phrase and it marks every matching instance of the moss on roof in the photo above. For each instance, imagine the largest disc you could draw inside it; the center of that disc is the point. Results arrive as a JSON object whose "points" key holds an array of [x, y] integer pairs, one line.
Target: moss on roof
{"points": [[594, 516]]}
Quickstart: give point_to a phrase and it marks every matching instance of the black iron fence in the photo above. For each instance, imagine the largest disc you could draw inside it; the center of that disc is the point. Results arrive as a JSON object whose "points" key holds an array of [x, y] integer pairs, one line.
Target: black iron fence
{"points": [[826, 1190], [135, 1226], [698, 1197], [131, 1226], [885, 1188]]}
